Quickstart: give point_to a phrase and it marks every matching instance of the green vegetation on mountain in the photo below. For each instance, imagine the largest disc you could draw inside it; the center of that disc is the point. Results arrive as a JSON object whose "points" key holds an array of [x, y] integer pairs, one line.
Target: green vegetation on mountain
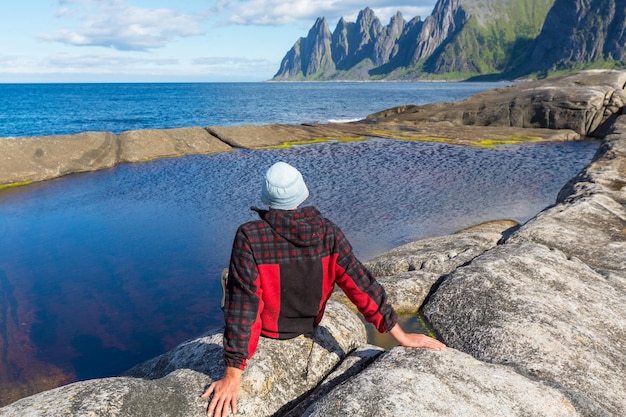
{"points": [[465, 39], [492, 44]]}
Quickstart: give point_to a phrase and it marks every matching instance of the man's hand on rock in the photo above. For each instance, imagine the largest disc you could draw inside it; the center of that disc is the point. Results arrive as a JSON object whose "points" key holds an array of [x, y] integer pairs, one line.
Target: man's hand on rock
{"points": [[415, 339], [224, 392]]}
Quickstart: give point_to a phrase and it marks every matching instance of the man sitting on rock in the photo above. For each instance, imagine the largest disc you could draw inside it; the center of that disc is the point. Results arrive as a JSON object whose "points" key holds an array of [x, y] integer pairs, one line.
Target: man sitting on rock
{"points": [[283, 270]]}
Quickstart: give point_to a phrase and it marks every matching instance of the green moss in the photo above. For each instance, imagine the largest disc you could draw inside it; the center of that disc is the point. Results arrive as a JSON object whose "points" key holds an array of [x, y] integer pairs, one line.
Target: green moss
{"points": [[494, 44], [512, 140], [427, 330], [15, 184], [422, 138], [398, 135], [289, 144], [491, 143], [598, 64], [379, 132], [524, 138]]}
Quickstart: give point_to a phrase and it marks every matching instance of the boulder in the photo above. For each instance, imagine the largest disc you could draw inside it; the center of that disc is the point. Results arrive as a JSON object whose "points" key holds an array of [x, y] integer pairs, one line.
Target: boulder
{"points": [[29, 159], [416, 382], [592, 229], [280, 135], [583, 102], [408, 272], [442, 254], [176, 395], [279, 373], [149, 144], [606, 174], [406, 291], [548, 317], [578, 320]]}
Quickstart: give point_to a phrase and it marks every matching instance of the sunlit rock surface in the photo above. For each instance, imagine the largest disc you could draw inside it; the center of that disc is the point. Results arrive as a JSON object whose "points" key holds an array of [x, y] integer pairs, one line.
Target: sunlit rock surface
{"points": [[415, 382]]}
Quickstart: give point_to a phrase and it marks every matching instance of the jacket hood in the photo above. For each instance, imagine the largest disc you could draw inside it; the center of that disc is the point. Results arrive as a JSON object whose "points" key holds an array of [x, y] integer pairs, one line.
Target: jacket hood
{"points": [[302, 227]]}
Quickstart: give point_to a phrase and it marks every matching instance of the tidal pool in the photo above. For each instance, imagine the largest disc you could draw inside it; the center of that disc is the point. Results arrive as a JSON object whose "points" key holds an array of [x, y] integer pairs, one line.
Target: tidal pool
{"points": [[99, 271]]}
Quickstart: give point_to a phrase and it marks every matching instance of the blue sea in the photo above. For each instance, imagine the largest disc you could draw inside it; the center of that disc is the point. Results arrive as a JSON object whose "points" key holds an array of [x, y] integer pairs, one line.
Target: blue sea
{"points": [[51, 109], [100, 271]]}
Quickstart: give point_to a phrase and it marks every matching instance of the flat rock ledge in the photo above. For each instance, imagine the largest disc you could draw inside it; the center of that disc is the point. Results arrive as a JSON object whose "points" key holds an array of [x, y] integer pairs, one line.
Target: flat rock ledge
{"points": [[31, 159], [533, 316]]}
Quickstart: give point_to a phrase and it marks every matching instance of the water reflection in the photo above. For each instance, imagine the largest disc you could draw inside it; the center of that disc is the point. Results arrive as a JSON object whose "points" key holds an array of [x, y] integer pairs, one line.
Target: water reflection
{"points": [[102, 270]]}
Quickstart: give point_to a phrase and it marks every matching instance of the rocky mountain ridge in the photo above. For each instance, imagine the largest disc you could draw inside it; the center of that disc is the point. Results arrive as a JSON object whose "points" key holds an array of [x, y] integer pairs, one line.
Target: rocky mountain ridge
{"points": [[463, 39]]}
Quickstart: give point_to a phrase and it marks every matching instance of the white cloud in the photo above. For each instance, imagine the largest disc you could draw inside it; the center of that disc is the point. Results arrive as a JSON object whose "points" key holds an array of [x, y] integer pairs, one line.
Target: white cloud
{"points": [[218, 65], [166, 40], [118, 25], [64, 67], [213, 60], [110, 62], [279, 12], [74, 64]]}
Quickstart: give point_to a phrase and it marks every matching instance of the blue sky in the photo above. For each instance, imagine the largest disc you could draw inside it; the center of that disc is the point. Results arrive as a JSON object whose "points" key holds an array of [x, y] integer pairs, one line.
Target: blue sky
{"points": [[165, 40]]}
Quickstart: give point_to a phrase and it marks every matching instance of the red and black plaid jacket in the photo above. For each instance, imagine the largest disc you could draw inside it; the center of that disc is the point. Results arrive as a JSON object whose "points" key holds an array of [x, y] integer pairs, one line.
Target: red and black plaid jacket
{"points": [[283, 270]]}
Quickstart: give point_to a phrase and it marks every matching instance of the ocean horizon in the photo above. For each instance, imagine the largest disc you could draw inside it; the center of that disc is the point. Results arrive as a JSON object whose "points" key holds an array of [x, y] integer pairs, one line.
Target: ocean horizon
{"points": [[70, 108]]}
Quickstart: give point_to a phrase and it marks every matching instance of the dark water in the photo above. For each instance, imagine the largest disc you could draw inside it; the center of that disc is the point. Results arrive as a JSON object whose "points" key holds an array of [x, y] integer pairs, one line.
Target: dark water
{"points": [[99, 271]]}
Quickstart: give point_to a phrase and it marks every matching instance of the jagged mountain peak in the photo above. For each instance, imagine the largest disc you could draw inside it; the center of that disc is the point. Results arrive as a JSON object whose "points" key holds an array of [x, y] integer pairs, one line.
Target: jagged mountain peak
{"points": [[366, 13], [461, 37], [320, 23], [396, 17]]}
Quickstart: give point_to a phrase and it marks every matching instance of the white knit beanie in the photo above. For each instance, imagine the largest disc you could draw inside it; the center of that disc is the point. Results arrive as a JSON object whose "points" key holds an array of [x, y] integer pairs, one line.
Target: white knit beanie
{"points": [[284, 187]]}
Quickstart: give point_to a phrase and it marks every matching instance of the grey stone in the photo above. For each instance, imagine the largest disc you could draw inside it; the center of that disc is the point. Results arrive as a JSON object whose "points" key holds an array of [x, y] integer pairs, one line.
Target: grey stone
{"points": [[582, 101], [418, 382], [28, 159], [589, 221], [606, 173], [592, 229], [409, 272], [550, 318], [408, 291], [441, 254], [354, 363]]}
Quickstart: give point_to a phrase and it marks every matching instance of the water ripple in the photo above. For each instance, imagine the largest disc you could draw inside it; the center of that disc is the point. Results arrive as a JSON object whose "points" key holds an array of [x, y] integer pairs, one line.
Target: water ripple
{"points": [[137, 249]]}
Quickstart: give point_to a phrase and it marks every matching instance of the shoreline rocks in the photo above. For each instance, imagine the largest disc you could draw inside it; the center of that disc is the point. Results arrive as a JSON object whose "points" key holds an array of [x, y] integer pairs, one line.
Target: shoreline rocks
{"points": [[31, 159], [533, 317], [559, 109]]}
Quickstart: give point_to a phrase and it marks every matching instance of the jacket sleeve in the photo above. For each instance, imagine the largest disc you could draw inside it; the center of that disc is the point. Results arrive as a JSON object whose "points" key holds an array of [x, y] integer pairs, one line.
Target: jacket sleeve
{"points": [[361, 287], [243, 305]]}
